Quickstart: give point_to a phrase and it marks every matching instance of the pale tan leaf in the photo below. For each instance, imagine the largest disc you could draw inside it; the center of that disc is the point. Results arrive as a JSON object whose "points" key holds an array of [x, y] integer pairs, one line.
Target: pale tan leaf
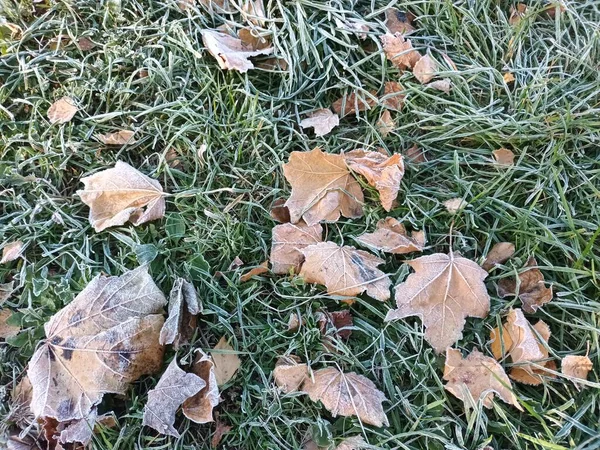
{"points": [[259, 270], [322, 120], [17, 443], [62, 110], [85, 44], [382, 172], [356, 26], [288, 240], [345, 271], [477, 376], [397, 21], [80, 430], [11, 251], [576, 366], [226, 362], [516, 14], [7, 330], [199, 408], [174, 387], [322, 188], [349, 104], [289, 373], [390, 236], [6, 290], [183, 303], [532, 288], [347, 394], [122, 194], [504, 157], [443, 292], [443, 85], [399, 51], [385, 124], [106, 338], [252, 40], [230, 52], [500, 253], [393, 95], [455, 204], [254, 12], [424, 69], [352, 443], [121, 137]]}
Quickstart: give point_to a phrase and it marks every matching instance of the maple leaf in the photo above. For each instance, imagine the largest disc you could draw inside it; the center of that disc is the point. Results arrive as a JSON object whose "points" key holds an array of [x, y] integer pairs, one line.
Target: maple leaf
{"points": [[347, 394], [174, 387], [390, 236], [231, 53], [121, 137], [382, 172], [199, 408], [399, 51], [397, 21], [443, 292], [322, 188], [350, 104], [500, 253], [345, 271], [424, 69], [322, 120], [480, 376], [289, 373], [288, 240], [576, 367], [11, 251], [120, 194], [106, 338], [504, 157], [532, 288], [226, 363], [62, 110], [183, 307]]}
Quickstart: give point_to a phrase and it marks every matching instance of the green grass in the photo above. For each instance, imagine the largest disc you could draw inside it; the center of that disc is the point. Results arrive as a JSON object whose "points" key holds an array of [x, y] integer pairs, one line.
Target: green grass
{"points": [[548, 204]]}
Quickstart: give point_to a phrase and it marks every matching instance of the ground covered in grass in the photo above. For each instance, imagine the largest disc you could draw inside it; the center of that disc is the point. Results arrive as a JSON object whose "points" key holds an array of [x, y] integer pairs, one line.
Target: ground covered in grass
{"points": [[149, 72]]}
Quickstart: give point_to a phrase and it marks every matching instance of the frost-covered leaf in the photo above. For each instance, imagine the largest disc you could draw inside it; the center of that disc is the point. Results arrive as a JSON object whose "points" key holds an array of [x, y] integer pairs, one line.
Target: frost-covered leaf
{"points": [[390, 236], [288, 240], [532, 289], [62, 110], [386, 124], [424, 69], [6, 290], [289, 373], [576, 366], [121, 137], [231, 53], [455, 204], [349, 104], [199, 408], [397, 21], [11, 251], [443, 85], [504, 157], [499, 254], [258, 270], [393, 95], [7, 330], [399, 51], [356, 26], [322, 120], [353, 443], [226, 362], [183, 307]]}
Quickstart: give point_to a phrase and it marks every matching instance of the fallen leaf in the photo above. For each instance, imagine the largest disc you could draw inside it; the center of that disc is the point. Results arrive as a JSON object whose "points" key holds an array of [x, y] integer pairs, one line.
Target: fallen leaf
{"points": [[382, 172], [424, 69], [345, 271], [230, 52], [236, 263], [322, 120], [393, 95], [7, 330], [480, 376], [350, 104], [254, 12], [279, 211], [352, 443], [532, 288], [576, 366], [11, 251], [500, 253], [294, 322], [289, 373], [13, 31], [251, 40], [6, 290], [220, 430], [443, 85], [416, 155], [390, 236], [347, 394], [199, 408], [455, 204], [397, 21], [385, 124], [104, 339], [443, 291], [399, 51], [288, 240], [516, 14], [183, 307], [62, 111], [25, 443], [357, 26], [85, 44], [121, 137], [172, 158], [322, 187], [504, 157], [263, 268], [120, 194], [226, 364], [80, 430], [340, 322], [20, 411], [174, 387], [508, 77]]}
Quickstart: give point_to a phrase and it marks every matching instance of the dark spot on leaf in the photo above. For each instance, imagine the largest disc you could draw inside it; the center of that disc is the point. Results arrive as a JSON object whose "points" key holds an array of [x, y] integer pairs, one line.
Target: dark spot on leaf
{"points": [[68, 346], [65, 408], [56, 340], [366, 273], [76, 317]]}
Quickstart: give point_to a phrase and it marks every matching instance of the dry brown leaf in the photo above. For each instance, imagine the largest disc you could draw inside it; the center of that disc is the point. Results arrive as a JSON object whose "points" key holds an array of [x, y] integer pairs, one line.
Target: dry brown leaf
{"points": [[220, 430], [199, 408], [322, 187], [62, 111], [390, 236], [106, 338], [508, 77], [279, 211], [352, 443], [251, 40], [183, 307], [6, 290], [532, 288], [322, 120], [443, 291], [289, 373], [504, 157], [516, 14], [231, 53], [477, 376], [226, 363], [85, 44], [382, 172], [424, 69], [393, 95], [120, 194], [254, 12], [397, 21], [399, 51], [11, 251], [7, 330], [80, 430], [443, 85], [339, 322], [455, 204], [415, 155], [576, 366], [288, 240], [386, 124], [356, 26], [347, 394], [500, 253], [174, 387], [259, 270], [172, 158], [350, 104], [121, 137], [345, 271]]}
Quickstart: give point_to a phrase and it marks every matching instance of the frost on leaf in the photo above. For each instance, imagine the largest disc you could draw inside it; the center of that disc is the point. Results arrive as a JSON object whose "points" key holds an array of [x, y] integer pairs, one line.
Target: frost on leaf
{"points": [[382, 172], [231, 53], [255, 271], [424, 69], [11, 251], [393, 96], [390, 236], [347, 394], [345, 271], [6, 329], [199, 408], [500, 253], [106, 338], [532, 289], [385, 124], [400, 51], [122, 194], [121, 137], [288, 240], [443, 292], [477, 376], [183, 309], [322, 188], [353, 443], [62, 111], [576, 366], [504, 157], [174, 387], [397, 21], [349, 104], [455, 204], [226, 362], [443, 85], [289, 373], [322, 120]]}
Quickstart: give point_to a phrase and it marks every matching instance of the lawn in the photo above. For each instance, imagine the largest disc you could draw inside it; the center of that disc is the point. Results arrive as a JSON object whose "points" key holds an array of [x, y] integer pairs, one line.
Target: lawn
{"points": [[216, 141]]}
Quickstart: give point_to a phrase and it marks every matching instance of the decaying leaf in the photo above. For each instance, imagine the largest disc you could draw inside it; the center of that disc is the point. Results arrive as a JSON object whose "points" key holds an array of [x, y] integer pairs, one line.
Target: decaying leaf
{"points": [[80, 430], [254, 11], [443, 291], [199, 408], [352, 443], [532, 288], [85, 44], [174, 387], [289, 373], [226, 363], [288, 240], [397, 21], [500, 253], [349, 104], [393, 95], [477, 376], [382, 172], [390, 236], [121, 137], [183, 307], [279, 211], [345, 271], [106, 338], [424, 69], [11, 251], [504, 157], [443, 85], [258, 270], [347, 394], [576, 366], [25, 443], [251, 40], [386, 123], [339, 322], [357, 26], [322, 187], [415, 155], [7, 330], [220, 430], [62, 110], [230, 52], [322, 120], [508, 77], [6, 290], [120, 194], [399, 51], [516, 14], [455, 204]]}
